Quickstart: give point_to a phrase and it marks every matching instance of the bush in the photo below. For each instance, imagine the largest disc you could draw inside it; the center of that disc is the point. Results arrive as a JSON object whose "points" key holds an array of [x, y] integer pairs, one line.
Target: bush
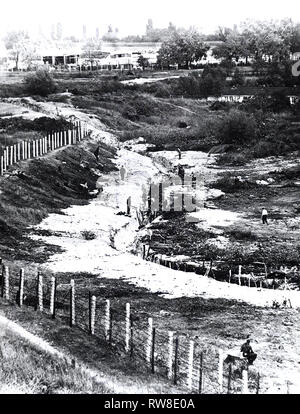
{"points": [[40, 83], [88, 235], [237, 127]]}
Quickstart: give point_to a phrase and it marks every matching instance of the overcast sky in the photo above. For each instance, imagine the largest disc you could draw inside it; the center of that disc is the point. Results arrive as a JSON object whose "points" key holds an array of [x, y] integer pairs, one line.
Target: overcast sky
{"points": [[130, 16]]}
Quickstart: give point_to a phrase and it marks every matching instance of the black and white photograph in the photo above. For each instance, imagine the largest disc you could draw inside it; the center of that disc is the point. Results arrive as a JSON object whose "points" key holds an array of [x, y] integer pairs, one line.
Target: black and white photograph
{"points": [[150, 200]]}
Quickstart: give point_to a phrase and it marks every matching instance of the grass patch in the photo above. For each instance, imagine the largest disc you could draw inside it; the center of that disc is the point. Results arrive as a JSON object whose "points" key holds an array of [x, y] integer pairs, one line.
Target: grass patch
{"points": [[24, 370]]}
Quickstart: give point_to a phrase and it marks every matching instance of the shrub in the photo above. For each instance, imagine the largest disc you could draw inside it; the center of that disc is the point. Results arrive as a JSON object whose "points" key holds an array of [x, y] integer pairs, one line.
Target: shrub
{"points": [[40, 83], [88, 235], [237, 127]]}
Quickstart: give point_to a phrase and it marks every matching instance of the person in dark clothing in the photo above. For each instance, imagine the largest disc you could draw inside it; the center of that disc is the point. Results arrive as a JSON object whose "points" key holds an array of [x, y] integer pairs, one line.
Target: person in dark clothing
{"points": [[264, 216], [179, 153], [122, 172], [248, 353], [128, 205], [96, 153]]}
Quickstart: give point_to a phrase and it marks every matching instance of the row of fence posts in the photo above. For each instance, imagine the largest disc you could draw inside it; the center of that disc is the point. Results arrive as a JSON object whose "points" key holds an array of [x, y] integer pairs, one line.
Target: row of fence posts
{"points": [[25, 150], [150, 345], [173, 265]]}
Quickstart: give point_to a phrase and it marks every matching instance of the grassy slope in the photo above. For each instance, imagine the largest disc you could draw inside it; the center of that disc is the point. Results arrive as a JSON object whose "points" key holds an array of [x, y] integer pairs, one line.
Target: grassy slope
{"points": [[50, 183], [43, 375]]}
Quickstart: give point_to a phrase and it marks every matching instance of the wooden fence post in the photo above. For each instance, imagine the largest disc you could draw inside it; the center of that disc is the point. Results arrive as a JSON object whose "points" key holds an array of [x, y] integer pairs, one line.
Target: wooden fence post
{"points": [[257, 383], [170, 354], [240, 273], [92, 314], [52, 296], [127, 328], [153, 351], [39, 293], [230, 274], [190, 366], [245, 381], [5, 282], [15, 153], [11, 155], [1, 165], [201, 373], [21, 288], [220, 376], [176, 360], [107, 320], [149, 340], [72, 303], [18, 151], [4, 160], [229, 378]]}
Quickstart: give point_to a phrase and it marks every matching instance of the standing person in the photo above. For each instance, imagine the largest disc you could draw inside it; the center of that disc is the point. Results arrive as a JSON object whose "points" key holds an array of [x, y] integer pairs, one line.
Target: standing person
{"points": [[248, 353], [122, 172], [128, 205], [264, 216], [96, 153], [179, 153]]}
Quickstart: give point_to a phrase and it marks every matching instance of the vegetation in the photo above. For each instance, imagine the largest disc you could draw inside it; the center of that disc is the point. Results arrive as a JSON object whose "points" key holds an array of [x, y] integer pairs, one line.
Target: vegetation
{"points": [[182, 49], [42, 375], [40, 83]]}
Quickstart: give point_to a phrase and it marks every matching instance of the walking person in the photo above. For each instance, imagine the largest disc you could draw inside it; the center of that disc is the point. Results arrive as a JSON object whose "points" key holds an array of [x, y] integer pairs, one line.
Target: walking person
{"points": [[248, 353], [179, 153], [264, 216], [122, 172], [97, 152]]}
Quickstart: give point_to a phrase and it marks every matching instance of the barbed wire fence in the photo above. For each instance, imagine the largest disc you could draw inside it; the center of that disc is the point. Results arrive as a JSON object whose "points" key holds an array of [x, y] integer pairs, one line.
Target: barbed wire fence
{"points": [[185, 361]]}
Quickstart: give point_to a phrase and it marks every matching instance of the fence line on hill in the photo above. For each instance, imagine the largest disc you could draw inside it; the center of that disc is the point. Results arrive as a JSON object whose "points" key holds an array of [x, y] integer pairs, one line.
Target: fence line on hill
{"points": [[186, 361], [232, 273], [30, 149]]}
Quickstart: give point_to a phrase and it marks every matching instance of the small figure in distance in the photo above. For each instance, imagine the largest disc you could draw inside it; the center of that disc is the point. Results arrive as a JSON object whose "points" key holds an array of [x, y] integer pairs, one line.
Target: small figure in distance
{"points": [[122, 172], [264, 216], [179, 153], [248, 353]]}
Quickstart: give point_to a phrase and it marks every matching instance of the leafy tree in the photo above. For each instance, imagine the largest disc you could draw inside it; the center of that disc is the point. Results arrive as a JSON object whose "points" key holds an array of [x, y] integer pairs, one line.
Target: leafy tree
{"points": [[182, 48], [40, 83], [19, 46], [143, 62], [237, 78], [92, 48]]}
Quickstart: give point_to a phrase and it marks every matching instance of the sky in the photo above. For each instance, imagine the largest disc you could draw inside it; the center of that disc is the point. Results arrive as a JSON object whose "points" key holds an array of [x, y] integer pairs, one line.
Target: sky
{"points": [[130, 16]]}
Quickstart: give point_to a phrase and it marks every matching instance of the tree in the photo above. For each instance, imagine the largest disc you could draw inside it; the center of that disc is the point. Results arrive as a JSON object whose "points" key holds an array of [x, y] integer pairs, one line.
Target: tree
{"points": [[182, 48], [91, 49], [237, 78], [40, 83], [19, 46], [143, 62]]}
